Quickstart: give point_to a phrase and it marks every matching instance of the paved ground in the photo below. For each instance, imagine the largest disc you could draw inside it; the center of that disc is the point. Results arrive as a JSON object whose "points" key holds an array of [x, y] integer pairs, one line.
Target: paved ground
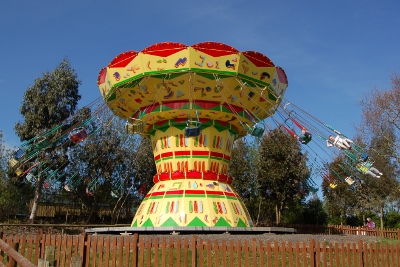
{"points": [[294, 238]]}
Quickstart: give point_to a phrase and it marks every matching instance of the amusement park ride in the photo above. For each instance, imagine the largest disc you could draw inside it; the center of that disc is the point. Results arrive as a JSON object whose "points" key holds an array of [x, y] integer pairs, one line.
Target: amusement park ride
{"points": [[192, 102]]}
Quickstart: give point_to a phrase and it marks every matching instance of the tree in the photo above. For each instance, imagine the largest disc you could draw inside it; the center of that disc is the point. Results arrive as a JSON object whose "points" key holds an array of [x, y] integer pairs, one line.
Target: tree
{"points": [[3, 158], [381, 110], [112, 166], [314, 212], [384, 190], [244, 173], [282, 171], [380, 130], [52, 99], [12, 195]]}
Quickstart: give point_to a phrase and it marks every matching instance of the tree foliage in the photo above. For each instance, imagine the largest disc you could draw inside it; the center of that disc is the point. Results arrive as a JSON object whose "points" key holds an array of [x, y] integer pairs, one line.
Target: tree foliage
{"points": [[380, 130], [282, 171], [244, 173], [314, 212], [380, 112], [13, 198], [112, 167], [52, 99]]}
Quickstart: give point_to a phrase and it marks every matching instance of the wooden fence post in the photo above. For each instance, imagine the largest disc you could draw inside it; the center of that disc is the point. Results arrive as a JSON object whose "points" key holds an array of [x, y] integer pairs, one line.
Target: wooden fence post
{"points": [[361, 252], [84, 247], [312, 253], [11, 261], [135, 249], [1, 251], [194, 251]]}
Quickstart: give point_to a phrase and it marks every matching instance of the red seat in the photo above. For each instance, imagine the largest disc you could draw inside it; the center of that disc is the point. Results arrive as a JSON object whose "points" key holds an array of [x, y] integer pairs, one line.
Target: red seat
{"points": [[78, 135]]}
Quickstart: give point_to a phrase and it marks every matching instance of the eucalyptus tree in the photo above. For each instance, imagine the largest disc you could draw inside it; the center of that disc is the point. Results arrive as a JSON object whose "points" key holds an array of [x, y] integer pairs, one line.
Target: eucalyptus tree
{"points": [[46, 104]]}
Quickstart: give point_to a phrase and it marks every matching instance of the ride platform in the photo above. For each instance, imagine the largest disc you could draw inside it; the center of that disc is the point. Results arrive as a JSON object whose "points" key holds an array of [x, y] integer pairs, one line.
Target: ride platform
{"points": [[174, 230]]}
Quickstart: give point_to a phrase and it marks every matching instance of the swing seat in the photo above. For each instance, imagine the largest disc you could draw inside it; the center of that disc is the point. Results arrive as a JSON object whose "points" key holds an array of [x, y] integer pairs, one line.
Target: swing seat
{"points": [[306, 138], [90, 194], [30, 178], [13, 162], [313, 190], [68, 187], [78, 135], [257, 131], [134, 128], [46, 185], [42, 144], [349, 180], [19, 172], [365, 157], [193, 131], [19, 153]]}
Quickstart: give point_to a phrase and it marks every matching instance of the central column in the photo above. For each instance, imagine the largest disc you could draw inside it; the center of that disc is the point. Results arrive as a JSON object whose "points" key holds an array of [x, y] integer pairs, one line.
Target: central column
{"points": [[192, 187]]}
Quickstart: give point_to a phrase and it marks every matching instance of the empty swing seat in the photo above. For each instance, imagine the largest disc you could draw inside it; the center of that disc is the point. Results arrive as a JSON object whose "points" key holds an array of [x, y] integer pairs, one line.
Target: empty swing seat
{"points": [[30, 178], [313, 190], [78, 135], [349, 180], [257, 131], [137, 128], [68, 187], [42, 144], [13, 162], [192, 132], [19, 153]]}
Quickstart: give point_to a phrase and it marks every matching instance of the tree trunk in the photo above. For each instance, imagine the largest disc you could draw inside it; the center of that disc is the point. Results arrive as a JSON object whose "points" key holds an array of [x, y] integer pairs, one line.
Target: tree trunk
{"points": [[259, 211], [381, 211], [277, 214], [35, 202], [116, 211]]}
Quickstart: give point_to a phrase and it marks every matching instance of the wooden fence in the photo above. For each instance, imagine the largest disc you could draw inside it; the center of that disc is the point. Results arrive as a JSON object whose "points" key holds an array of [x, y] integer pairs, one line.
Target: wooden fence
{"points": [[133, 250], [387, 233]]}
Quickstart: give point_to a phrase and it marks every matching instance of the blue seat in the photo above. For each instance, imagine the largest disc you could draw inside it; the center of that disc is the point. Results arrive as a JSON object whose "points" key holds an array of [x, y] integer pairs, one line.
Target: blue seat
{"points": [[192, 131], [193, 128]]}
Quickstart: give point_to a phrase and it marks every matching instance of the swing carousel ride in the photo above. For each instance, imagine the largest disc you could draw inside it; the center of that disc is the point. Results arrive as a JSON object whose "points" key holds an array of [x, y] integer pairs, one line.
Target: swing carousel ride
{"points": [[193, 102]]}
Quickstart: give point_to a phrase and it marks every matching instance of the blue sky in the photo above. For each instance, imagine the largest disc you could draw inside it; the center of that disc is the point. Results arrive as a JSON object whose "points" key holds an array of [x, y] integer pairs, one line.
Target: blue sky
{"points": [[333, 52]]}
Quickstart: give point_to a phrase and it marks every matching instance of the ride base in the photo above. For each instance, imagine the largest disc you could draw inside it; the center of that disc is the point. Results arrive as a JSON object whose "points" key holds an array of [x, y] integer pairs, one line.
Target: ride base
{"points": [[191, 230]]}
